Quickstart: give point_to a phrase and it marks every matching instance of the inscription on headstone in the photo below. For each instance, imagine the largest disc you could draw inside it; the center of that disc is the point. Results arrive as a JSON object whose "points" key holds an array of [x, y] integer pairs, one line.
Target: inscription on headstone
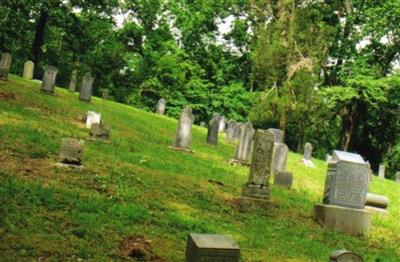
{"points": [[5, 64], [86, 88], [49, 79], [183, 137], [161, 106], [29, 66]]}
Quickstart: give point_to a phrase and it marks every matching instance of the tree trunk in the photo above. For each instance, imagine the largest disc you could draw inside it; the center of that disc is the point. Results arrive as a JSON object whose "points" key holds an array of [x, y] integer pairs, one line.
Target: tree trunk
{"points": [[39, 35]]}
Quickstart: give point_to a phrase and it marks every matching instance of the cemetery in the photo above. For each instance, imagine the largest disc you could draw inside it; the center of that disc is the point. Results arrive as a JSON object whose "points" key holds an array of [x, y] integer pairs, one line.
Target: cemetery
{"points": [[200, 131]]}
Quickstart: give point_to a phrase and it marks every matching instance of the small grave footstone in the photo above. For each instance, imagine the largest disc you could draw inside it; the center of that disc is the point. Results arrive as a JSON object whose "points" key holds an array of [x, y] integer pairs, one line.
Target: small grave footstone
{"points": [[72, 81], [256, 193], [29, 66], [100, 132], [71, 153], [307, 155], [230, 131], [92, 118], [215, 248], [49, 80], [243, 150], [222, 124], [381, 173], [183, 137], [5, 64], [161, 104], [283, 179], [213, 128], [345, 256], [86, 89], [345, 194]]}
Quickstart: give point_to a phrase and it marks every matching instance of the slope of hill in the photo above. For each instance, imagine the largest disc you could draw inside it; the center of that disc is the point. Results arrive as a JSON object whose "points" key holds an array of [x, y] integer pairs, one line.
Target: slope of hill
{"points": [[138, 188]]}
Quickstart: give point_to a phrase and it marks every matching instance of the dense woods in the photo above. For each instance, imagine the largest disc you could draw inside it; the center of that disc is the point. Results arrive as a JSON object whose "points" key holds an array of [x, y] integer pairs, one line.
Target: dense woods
{"points": [[325, 72]]}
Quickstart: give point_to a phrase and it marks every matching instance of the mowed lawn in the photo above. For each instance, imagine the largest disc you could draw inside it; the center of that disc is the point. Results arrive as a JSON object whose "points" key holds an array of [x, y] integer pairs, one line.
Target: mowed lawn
{"points": [[136, 187]]}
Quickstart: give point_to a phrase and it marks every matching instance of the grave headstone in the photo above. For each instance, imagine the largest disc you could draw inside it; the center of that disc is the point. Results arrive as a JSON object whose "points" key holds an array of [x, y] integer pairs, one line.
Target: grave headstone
{"points": [[243, 149], [213, 128], [381, 173], [238, 131], [203, 124], [283, 179], [71, 151], [230, 131], [278, 134], [345, 256], [183, 137], [29, 66], [345, 194], [92, 118], [398, 177], [72, 81], [86, 88], [280, 157], [222, 124], [49, 80], [5, 64], [100, 131], [105, 93], [307, 155], [161, 106], [215, 248]]}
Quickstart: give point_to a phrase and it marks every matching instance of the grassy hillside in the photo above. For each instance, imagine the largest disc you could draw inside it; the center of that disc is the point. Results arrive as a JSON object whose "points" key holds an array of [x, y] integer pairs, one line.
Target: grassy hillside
{"points": [[137, 186]]}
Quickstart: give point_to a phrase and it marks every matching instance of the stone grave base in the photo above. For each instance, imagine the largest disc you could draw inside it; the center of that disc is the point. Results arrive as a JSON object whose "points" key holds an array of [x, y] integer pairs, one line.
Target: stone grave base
{"points": [[308, 163], [349, 220], [188, 150], [235, 162], [48, 92], [252, 204], [69, 167], [101, 139], [377, 210]]}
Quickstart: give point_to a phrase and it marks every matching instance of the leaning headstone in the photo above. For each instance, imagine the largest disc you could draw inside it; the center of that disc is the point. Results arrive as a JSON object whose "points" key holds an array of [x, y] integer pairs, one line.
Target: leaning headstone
{"points": [[161, 106], [398, 177], [72, 81], [86, 89], [256, 193], [105, 94], [307, 155], [381, 173], [345, 256], [278, 134], [183, 137], [5, 64], [100, 132], [29, 66], [283, 179], [92, 118], [213, 128], [222, 124], [49, 80], [243, 149], [71, 153], [280, 157], [230, 131], [207, 247], [345, 194]]}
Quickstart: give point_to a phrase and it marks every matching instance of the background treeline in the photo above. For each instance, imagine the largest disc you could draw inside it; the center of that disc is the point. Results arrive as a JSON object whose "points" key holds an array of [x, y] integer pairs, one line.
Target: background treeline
{"points": [[323, 71]]}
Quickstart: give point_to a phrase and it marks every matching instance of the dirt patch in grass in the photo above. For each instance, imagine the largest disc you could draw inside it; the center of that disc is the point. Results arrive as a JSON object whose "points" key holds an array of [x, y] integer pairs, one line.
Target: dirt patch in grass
{"points": [[7, 96], [138, 248]]}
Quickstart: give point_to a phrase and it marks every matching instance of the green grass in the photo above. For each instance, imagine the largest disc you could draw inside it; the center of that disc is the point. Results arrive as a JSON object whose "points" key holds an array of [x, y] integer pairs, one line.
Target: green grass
{"points": [[138, 186]]}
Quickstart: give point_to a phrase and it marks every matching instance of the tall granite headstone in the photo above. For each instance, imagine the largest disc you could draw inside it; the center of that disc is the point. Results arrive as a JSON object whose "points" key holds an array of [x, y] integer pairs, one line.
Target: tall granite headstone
{"points": [[183, 137], [86, 88], [49, 80], [72, 81], [222, 124], [230, 131], [5, 64], [345, 194], [243, 149], [161, 106], [29, 66], [381, 173], [213, 128]]}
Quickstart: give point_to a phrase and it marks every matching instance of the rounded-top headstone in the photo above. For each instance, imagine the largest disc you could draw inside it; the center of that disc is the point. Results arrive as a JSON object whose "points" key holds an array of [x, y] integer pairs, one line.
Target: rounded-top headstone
{"points": [[5, 64], [161, 106], [29, 66], [49, 79], [183, 137], [86, 88], [72, 81]]}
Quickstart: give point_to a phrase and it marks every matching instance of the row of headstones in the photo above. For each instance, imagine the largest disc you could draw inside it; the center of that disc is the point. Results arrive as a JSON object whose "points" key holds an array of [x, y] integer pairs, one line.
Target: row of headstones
{"points": [[49, 78]]}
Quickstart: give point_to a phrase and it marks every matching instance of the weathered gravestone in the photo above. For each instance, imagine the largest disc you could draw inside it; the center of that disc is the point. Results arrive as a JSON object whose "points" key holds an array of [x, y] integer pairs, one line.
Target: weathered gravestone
{"points": [[100, 132], [161, 106], [5, 64], [86, 88], [307, 155], [398, 177], [243, 149], [212, 248], [222, 124], [49, 80], [381, 173], [71, 153], [278, 134], [29, 66], [256, 193], [230, 131], [213, 127], [345, 256], [203, 124], [238, 131], [105, 93], [280, 157], [283, 179], [72, 81], [376, 203], [345, 194], [183, 137], [92, 118]]}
